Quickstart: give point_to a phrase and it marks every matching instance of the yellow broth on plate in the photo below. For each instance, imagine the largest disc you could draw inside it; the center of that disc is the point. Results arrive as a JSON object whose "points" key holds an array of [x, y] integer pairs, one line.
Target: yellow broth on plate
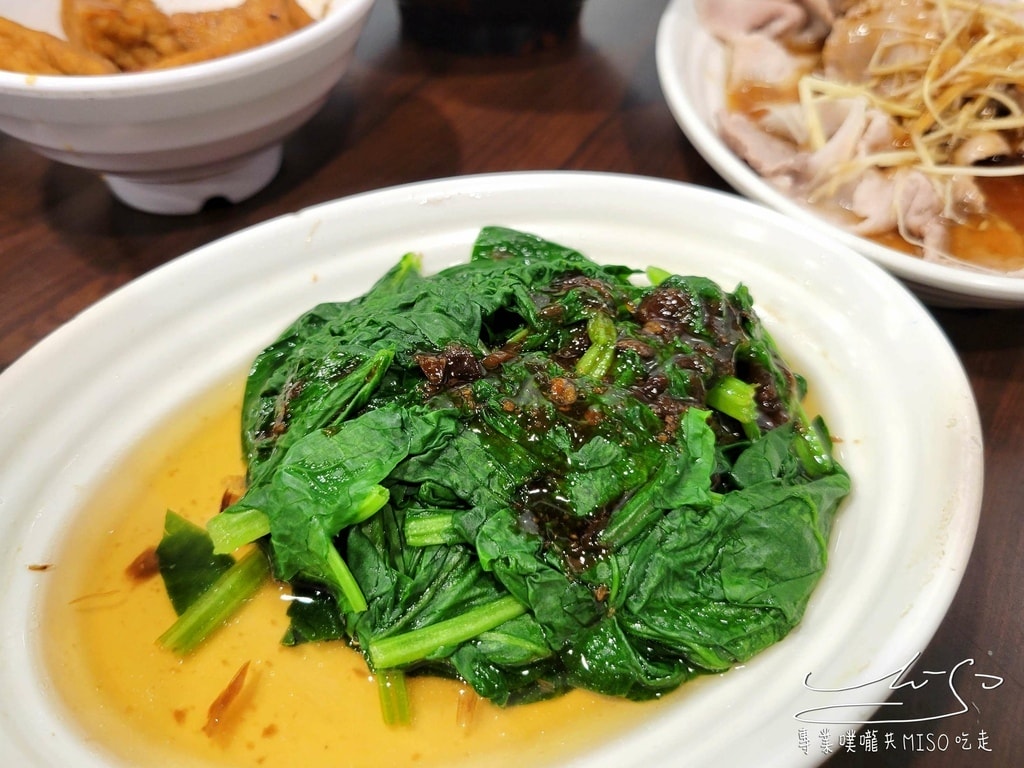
{"points": [[309, 705]]}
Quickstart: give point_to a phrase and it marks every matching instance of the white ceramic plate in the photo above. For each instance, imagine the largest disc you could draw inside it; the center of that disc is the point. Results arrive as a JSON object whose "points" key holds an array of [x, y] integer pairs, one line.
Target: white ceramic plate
{"points": [[885, 376], [692, 67]]}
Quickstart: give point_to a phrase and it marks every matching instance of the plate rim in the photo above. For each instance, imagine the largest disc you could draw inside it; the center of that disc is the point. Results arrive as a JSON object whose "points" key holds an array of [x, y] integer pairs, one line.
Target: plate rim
{"points": [[437, 192]]}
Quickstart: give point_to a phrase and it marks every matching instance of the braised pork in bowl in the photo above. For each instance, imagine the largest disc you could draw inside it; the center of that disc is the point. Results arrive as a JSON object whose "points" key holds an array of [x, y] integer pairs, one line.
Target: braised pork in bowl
{"points": [[161, 99]]}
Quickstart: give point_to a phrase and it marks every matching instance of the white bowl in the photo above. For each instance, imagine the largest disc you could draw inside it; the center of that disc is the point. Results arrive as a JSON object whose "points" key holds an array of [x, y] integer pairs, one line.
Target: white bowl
{"points": [[878, 365], [167, 141], [691, 68]]}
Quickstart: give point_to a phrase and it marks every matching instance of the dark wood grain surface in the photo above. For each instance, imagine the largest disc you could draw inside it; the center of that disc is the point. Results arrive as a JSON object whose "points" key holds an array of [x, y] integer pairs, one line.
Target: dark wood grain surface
{"points": [[405, 114]]}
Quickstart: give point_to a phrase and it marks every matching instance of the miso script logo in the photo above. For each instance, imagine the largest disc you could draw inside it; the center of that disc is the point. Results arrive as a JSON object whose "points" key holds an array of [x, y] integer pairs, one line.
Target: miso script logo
{"points": [[926, 696], [905, 702]]}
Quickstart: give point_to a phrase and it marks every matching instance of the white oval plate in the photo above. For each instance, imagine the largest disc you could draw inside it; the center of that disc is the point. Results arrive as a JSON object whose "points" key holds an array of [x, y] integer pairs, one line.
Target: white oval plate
{"points": [[692, 69], [884, 374]]}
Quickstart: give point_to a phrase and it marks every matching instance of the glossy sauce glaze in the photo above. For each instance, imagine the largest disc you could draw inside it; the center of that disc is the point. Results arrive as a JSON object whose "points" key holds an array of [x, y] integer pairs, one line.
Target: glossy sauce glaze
{"points": [[308, 706]]}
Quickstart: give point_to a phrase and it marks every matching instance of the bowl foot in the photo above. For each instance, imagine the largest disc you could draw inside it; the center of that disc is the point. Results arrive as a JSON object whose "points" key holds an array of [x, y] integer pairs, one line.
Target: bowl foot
{"points": [[180, 196]]}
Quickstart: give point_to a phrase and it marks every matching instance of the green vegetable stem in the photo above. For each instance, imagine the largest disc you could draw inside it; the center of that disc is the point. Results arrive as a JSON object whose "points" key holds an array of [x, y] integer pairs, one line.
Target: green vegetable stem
{"points": [[417, 644], [209, 611]]}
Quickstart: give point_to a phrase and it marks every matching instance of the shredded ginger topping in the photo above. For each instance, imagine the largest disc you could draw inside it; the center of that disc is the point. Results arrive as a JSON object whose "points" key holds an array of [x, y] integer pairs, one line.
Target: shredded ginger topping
{"points": [[949, 73]]}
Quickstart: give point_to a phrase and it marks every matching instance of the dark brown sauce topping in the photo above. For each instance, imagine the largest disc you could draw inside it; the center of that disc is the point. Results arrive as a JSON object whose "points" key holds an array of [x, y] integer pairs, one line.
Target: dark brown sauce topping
{"points": [[575, 538], [455, 365]]}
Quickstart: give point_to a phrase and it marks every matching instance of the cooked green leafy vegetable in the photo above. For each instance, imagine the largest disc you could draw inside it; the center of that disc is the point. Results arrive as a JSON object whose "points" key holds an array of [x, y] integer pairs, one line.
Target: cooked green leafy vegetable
{"points": [[187, 562], [205, 588], [534, 473]]}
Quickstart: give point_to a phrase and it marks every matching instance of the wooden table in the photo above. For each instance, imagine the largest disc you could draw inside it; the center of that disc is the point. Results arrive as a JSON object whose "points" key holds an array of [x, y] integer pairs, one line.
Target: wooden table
{"points": [[405, 114]]}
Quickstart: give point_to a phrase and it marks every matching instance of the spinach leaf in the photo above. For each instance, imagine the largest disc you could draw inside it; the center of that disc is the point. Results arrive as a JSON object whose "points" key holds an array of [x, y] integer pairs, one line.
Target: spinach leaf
{"points": [[188, 564], [329, 480]]}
